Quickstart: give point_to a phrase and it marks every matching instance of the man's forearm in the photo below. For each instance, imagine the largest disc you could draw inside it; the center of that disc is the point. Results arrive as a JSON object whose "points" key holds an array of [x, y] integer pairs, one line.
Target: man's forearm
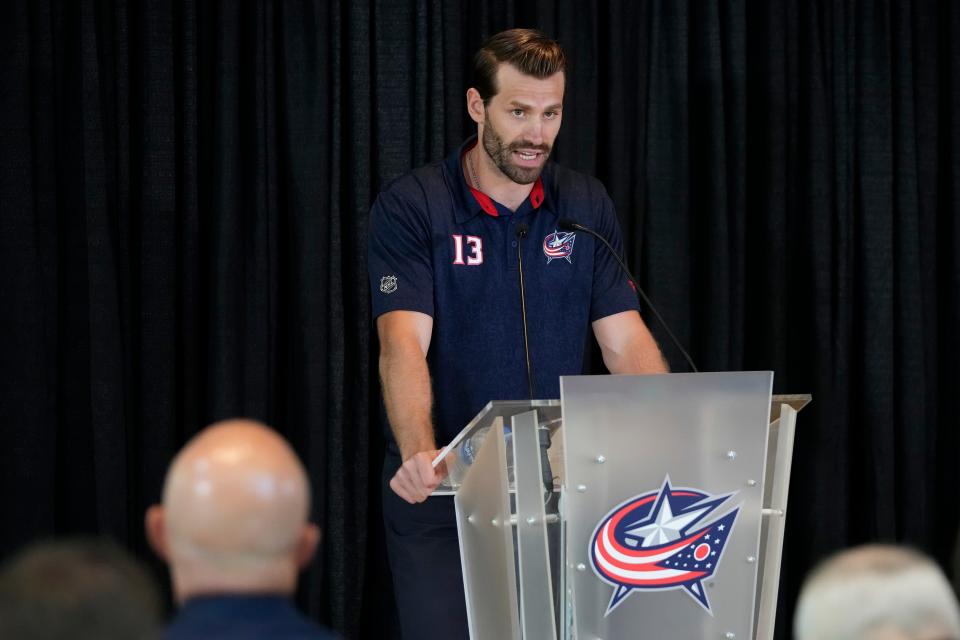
{"points": [[408, 399], [641, 355]]}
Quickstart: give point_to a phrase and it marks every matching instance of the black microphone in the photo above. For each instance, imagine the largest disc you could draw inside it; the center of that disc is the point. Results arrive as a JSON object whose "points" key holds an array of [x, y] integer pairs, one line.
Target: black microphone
{"points": [[568, 224], [522, 230], [543, 433]]}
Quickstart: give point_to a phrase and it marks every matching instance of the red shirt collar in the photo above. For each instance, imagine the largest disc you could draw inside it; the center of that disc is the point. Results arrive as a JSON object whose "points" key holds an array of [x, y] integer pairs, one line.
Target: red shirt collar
{"points": [[486, 203]]}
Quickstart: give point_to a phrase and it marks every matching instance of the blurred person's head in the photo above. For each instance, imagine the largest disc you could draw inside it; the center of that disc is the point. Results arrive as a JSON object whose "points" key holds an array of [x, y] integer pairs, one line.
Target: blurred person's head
{"points": [[234, 514], [77, 589], [877, 592]]}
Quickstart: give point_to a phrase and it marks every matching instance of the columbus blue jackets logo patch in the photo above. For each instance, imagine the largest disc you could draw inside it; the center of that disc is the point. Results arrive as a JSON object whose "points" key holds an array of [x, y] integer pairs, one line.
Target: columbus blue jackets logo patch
{"points": [[661, 540], [388, 284], [559, 244]]}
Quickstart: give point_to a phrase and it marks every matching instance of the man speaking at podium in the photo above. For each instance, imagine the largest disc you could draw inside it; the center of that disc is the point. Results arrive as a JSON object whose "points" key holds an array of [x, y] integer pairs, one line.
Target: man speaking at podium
{"points": [[449, 244]]}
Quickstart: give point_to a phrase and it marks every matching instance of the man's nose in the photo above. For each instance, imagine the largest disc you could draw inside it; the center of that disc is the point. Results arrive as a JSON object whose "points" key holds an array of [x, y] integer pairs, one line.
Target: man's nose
{"points": [[533, 132]]}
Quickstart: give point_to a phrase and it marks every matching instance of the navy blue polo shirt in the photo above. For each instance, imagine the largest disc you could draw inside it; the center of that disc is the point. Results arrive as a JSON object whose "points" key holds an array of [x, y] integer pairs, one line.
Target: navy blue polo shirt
{"points": [[441, 248]]}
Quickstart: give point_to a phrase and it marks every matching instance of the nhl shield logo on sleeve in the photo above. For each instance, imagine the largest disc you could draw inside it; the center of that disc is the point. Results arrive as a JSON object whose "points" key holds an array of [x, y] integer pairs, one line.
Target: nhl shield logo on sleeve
{"points": [[660, 541], [388, 284]]}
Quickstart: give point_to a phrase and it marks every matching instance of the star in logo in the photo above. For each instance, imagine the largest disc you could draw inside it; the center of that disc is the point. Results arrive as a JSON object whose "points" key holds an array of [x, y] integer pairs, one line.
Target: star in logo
{"points": [[665, 526]]}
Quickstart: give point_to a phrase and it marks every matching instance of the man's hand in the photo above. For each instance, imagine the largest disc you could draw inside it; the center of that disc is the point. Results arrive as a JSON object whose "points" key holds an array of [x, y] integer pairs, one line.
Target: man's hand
{"points": [[416, 478]]}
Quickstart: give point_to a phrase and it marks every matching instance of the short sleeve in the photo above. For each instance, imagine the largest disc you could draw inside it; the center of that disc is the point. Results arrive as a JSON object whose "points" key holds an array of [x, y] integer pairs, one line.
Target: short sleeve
{"points": [[612, 290], [399, 258]]}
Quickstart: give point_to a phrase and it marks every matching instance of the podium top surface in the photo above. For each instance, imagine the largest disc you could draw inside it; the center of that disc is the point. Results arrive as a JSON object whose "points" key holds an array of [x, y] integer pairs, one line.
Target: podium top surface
{"points": [[459, 453], [796, 400]]}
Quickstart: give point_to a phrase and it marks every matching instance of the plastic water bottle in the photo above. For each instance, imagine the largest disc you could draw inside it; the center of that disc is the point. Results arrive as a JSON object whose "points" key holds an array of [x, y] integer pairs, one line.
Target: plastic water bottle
{"points": [[469, 449]]}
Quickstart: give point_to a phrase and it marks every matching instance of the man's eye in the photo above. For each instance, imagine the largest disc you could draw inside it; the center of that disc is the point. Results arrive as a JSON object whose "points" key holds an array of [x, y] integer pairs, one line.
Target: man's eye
{"points": [[550, 115], [518, 113]]}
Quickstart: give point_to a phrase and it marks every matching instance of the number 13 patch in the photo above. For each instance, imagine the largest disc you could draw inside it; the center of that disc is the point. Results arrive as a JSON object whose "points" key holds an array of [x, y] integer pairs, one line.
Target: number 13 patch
{"points": [[474, 246]]}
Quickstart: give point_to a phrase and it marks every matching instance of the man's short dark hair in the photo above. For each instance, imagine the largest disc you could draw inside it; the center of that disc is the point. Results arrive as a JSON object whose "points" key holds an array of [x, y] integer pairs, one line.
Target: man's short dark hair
{"points": [[529, 50], [77, 589]]}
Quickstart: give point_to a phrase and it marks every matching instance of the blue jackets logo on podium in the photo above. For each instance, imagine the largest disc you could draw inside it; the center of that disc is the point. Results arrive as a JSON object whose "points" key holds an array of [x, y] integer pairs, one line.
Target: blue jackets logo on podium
{"points": [[659, 541], [559, 244]]}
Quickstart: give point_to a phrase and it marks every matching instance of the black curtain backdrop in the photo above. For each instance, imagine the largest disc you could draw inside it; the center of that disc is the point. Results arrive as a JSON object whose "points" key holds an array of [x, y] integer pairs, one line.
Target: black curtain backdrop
{"points": [[185, 189]]}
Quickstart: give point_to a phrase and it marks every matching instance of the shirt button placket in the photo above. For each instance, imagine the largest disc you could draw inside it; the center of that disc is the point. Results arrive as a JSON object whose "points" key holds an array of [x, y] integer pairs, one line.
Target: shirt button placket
{"points": [[511, 243]]}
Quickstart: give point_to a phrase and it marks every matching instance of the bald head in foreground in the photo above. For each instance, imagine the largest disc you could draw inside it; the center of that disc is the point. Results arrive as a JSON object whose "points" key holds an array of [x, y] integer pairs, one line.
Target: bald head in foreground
{"points": [[233, 529], [877, 592]]}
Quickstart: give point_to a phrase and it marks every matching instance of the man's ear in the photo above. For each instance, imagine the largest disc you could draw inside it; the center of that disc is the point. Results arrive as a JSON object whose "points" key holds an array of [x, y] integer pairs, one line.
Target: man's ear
{"points": [[155, 526], [475, 106], [307, 544]]}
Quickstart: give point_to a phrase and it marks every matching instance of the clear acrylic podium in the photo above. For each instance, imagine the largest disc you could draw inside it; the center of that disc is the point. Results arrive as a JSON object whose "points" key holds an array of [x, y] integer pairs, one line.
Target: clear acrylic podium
{"points": [[661, 515]]}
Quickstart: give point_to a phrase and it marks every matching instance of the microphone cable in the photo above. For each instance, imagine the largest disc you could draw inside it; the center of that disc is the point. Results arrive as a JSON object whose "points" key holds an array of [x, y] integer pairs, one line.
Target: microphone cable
{"points": [[522, 230], [543, 433]]}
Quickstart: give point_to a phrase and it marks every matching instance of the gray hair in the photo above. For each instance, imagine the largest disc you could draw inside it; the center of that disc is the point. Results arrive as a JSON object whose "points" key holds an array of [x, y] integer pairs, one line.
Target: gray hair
{"points": [[877, 591]]}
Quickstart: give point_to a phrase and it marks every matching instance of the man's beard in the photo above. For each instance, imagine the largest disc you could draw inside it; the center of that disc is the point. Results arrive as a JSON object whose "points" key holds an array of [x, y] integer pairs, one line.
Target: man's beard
{"points": [[500, 153]]}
